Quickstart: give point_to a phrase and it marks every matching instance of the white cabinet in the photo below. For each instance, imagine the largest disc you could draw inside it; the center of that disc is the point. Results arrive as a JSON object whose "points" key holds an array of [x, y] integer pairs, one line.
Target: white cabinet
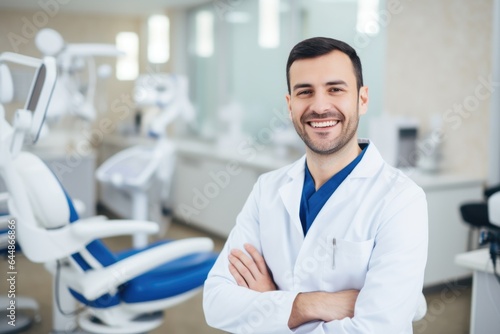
{"points": [[211, 184], [210, 193], [448, 234]]}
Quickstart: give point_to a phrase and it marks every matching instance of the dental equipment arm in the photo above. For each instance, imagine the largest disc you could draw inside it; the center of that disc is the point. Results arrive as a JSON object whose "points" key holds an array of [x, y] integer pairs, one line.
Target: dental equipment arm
{"points": [[169, 93], [51, 43], [94, 284]]}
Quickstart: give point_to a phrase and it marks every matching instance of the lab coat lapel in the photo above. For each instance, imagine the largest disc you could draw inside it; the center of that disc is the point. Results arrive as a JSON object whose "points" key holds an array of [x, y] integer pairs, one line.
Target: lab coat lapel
{"points": [[339, 200], [291, 192], [328, 217]]}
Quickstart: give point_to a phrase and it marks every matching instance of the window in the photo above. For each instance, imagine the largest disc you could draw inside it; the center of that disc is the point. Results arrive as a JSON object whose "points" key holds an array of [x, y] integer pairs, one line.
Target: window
{"points": [[269, 23], [158, 39], [368, 17], [127, 66], [204, 34]]}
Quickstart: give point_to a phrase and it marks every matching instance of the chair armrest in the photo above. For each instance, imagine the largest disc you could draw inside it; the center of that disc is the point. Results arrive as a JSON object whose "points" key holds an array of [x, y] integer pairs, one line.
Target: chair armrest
{"points": [[93, 218], [42, 245], [96, 228], [95, 283]]}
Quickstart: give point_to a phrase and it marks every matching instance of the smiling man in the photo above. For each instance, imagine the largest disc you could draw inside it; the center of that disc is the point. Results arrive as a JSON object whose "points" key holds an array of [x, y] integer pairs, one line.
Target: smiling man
{"points": [[335, 242]]}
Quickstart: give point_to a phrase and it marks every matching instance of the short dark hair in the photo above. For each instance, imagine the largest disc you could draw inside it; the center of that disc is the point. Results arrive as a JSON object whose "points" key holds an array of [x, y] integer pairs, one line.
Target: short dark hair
{"points": [[319, 46]]}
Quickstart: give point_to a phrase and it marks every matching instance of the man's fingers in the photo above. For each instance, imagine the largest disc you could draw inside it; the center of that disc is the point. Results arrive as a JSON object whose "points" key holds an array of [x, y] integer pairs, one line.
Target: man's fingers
{"points": [[247, 262], [238, 278], [240, 266], [258, 259], [245, 269]]}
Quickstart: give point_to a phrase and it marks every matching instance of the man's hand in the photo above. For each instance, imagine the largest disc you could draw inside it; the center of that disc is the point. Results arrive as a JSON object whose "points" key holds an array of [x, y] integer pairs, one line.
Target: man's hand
{"points": [[322, 306], [251, 272]]}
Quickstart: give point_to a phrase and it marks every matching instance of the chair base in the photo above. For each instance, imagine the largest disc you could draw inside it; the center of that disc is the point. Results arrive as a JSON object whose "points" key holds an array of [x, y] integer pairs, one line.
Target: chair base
{"points": [[143, 324]]}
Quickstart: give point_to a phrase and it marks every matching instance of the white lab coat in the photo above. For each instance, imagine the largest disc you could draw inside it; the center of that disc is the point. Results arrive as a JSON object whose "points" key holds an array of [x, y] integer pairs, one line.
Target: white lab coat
{"points": [[378, 217]]}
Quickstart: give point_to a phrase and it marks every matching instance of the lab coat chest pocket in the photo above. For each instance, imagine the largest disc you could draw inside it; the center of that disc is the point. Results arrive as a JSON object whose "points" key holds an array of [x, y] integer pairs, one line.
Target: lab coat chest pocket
{"points": [[346, 265]]}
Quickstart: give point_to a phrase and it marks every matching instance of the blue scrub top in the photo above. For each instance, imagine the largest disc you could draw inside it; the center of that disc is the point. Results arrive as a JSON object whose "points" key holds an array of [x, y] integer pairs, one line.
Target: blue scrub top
{"points": [[312, 201]]}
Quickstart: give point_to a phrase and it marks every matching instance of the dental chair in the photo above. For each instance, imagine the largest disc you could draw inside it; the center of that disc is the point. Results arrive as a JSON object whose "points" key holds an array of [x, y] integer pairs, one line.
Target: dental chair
{"points": [[123, 292]]}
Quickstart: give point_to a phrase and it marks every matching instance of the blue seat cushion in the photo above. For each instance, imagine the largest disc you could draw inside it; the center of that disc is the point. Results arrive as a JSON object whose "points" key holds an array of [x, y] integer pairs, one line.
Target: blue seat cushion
{"points": [[168, 280]]}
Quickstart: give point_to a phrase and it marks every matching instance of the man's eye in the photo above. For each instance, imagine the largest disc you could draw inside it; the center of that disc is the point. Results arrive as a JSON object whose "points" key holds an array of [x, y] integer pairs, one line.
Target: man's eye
{"points": [[334, 89], [304, 92]]}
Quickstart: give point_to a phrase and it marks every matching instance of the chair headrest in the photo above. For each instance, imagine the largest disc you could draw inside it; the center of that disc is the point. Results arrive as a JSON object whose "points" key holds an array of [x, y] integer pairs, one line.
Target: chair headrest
{"points": [[46, 195]]}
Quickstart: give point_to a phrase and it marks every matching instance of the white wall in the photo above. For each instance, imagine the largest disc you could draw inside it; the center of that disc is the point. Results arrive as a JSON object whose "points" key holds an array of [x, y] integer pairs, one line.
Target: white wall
{"points": [[438, 58]]}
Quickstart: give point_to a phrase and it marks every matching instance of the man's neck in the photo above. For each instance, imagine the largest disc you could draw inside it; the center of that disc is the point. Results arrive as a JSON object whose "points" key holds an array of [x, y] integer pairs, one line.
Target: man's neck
{"points": [[323, 167]]}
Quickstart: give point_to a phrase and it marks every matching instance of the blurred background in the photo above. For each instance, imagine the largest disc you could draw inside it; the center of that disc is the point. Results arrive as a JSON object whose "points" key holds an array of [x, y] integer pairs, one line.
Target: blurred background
{"points": [[204, 82]]}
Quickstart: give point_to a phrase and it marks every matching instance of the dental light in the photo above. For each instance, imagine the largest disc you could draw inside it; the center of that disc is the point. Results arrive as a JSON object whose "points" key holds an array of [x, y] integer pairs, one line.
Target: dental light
{"points": [[73, 59], [167, 92]]}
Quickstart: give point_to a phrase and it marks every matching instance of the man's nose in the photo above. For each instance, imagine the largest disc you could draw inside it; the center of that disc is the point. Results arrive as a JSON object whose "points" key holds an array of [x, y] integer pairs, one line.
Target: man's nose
{"points": [[321, 103]]}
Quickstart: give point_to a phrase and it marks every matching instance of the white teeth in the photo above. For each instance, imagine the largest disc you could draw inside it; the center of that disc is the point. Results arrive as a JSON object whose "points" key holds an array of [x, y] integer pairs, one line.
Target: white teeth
{"points": [[323, 124]]}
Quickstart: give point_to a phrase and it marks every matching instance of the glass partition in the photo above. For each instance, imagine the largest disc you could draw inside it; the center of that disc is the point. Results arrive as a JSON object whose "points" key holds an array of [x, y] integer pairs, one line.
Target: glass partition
{"points": [[246, 64]]}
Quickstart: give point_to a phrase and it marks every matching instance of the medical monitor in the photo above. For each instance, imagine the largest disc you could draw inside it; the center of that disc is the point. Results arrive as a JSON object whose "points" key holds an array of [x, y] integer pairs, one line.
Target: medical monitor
{"points": [[39, 95]]}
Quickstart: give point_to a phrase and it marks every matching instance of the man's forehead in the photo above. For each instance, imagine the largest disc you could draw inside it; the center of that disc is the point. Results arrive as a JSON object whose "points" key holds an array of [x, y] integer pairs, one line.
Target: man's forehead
{"points": [[335, 63], [334, 56]]}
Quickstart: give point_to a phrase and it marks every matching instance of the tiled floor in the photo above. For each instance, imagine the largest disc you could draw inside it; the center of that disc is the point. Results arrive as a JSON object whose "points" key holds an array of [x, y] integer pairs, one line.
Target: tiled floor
{"points": [[448, 307]]}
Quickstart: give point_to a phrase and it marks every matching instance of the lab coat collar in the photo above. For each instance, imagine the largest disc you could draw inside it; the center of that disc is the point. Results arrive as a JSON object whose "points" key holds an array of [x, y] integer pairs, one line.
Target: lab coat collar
{"points": [[291, 191], [368, 166]]}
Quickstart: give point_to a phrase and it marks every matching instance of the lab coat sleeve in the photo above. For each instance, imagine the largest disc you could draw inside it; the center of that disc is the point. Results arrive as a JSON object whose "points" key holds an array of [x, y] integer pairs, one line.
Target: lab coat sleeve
{"points": [[236, 309], [389, 298]]}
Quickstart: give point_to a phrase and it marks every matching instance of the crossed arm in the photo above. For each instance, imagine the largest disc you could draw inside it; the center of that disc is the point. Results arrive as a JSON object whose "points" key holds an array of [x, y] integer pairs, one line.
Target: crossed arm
{"points": [[251, 272]]}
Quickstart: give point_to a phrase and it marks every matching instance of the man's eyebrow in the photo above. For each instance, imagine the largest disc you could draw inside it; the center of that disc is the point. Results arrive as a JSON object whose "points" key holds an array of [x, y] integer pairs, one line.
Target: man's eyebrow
{"points": [[336, 83], [301, 85], [329, 83]]}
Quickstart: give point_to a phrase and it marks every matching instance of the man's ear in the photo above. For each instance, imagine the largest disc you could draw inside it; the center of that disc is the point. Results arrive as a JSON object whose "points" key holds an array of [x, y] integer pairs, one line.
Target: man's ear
{"points": [[288, 101], [363, 100]]}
